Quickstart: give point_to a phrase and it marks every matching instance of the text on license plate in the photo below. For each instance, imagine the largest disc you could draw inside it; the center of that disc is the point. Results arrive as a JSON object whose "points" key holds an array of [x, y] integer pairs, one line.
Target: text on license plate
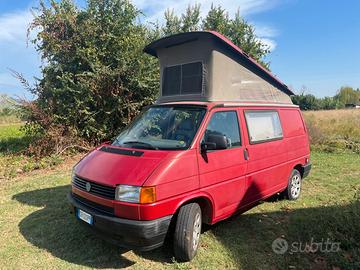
{"points": [[84, 216]]}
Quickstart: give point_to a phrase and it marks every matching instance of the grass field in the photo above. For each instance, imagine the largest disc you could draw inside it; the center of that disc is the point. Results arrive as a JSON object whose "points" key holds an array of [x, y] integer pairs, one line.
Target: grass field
{"points": [[13, 142], [37, 230], [334, 130]]}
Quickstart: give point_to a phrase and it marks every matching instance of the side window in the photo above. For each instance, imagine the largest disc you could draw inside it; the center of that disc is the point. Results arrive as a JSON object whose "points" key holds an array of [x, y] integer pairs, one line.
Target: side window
{"points": [[263, 126], [224, 123]]}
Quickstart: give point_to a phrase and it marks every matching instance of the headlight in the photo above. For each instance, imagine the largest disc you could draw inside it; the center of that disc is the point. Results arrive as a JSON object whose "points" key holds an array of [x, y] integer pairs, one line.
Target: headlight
{"points": [[126, 193], [134, 194]]}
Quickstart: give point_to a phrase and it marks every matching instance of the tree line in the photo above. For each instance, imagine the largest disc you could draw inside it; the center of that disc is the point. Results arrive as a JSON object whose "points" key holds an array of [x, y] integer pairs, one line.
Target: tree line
{"points": [[344, 97]]}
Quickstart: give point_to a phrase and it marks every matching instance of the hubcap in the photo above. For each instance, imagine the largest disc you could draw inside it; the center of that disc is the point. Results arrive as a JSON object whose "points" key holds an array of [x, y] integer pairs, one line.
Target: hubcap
{"points": [[196, 231], [295, 186]]}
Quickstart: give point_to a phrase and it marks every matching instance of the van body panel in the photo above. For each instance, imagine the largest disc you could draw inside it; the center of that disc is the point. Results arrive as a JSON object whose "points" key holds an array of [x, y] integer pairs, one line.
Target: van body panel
{"points": [[222, 172], [266, 172], [295, 132], [178, 165], [113, 169], [171, 205]]}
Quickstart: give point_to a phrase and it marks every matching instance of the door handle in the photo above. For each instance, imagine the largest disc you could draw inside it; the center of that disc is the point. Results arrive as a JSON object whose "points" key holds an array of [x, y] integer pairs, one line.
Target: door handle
{"points": [[246, 154]]}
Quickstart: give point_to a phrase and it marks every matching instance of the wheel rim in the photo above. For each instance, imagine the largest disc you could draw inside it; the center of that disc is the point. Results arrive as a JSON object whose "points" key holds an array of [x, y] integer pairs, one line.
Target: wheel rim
{"points": [[295, 186], [196, 231]]}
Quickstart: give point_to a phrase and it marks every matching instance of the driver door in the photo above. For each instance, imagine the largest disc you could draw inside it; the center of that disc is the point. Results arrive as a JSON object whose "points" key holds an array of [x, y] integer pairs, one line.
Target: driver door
{"points": [[222, 172]]}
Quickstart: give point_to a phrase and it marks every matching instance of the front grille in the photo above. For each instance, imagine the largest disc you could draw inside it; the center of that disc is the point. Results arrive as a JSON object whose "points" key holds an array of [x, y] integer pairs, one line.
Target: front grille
{"points": [[96, 189], [93, 205]]}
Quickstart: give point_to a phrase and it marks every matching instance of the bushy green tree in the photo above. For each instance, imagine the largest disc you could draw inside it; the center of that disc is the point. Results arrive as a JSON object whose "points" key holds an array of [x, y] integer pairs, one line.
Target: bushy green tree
{"points": [[95, 77], [348, 95], [328, 103], [306, 102], [217, 20]]}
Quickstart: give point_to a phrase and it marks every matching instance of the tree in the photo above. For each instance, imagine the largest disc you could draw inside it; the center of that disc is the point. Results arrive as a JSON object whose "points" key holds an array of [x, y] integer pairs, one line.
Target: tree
{"points": [[348, 95], [306, 102], [218, 20], [239, 31], [95, 78], [173, 23], [191, 19]]}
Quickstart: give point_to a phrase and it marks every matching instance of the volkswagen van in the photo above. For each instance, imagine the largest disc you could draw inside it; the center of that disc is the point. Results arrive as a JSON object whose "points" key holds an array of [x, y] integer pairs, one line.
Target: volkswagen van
{"points": [[222, 136]]}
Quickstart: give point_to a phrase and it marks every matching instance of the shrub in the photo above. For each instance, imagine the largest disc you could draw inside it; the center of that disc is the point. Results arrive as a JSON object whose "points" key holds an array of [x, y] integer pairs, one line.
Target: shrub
{"points": [[96, 77]]}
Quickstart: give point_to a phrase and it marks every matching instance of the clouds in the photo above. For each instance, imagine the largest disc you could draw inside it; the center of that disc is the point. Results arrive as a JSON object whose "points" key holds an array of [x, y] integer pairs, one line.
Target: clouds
{"points": [[14, 52], [13, 26], [267, 35], [155, 9], [154, 12]]}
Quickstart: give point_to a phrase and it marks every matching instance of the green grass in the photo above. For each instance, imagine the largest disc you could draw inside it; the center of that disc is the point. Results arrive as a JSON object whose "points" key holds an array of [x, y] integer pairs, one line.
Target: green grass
{"points": [[12, 138], [13, 161], [37, 230]]}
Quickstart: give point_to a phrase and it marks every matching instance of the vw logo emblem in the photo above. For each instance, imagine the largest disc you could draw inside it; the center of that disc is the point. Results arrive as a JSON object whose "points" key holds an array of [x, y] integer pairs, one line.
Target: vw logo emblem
{"points": [[88, 186]]}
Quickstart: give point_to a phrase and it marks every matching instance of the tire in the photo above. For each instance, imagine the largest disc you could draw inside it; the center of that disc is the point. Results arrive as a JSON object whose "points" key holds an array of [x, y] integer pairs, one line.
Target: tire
{"points": [[293, 190], [187, 232]]}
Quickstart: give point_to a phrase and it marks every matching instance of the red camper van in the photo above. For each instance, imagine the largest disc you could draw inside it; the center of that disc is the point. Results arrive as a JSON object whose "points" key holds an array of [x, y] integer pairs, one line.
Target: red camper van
{"points": [[222, 135]]}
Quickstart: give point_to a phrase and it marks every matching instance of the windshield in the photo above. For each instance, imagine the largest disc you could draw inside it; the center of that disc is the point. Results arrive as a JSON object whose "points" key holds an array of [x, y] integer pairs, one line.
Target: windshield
{"points": [[163, 127]]}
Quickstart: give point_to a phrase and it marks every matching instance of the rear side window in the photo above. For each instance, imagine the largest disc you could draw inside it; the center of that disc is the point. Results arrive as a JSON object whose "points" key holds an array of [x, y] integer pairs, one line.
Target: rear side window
{"points": [[263, 126], [225, 123], [183, 79]]}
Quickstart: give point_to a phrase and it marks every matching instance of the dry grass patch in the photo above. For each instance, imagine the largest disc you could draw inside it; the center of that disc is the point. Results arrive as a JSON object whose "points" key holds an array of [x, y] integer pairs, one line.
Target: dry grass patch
{"points": [[334, 130]]}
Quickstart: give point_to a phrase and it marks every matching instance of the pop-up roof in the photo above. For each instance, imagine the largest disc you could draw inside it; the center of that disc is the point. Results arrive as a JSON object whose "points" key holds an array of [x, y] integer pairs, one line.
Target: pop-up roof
{"points": [[205, 66]]}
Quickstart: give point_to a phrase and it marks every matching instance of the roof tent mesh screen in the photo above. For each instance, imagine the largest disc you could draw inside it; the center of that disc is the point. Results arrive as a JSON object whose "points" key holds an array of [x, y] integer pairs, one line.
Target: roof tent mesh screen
{"points": [[183, 79], [172, 81]]}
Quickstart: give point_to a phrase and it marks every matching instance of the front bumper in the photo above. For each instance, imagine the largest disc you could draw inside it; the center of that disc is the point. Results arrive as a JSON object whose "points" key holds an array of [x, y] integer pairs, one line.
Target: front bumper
{"points": [[133, 234], [306, 170]]}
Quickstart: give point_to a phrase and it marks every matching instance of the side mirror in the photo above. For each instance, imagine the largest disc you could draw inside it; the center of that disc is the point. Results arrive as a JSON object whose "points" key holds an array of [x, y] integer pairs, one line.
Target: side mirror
{"points": [[206, 146], [214, 142]]}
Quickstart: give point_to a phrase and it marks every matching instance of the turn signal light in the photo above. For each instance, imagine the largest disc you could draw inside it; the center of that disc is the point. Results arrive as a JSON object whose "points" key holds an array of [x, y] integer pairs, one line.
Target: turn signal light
{"points": [[147, 195]]}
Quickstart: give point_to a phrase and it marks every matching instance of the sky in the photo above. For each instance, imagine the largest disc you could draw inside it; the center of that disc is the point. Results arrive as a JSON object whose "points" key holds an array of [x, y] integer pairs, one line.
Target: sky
{"points": [[315, 44]]}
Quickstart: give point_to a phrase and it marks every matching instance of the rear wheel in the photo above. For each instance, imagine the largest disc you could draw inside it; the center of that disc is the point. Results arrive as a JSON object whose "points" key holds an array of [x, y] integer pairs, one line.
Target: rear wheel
{"points": [[293, 190], [187, 232]]}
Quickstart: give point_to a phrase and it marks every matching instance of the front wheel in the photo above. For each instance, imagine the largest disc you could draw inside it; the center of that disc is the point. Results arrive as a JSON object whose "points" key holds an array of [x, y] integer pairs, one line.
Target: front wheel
{"points": [[293, 190], [187, 232]]}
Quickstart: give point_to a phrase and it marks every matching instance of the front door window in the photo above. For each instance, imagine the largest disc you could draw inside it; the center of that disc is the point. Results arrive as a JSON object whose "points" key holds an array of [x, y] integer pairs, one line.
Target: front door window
{"points": [[224, 123]]}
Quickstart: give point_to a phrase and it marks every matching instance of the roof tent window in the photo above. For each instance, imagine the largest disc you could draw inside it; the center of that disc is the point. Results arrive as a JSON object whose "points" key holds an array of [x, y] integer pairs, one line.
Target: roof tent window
{"points": [[191, 80], [172, 81], [183, 79]]}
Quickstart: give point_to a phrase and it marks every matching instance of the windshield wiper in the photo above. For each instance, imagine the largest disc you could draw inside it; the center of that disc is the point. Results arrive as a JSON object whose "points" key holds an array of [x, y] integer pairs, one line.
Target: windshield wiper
{"points": [[147, 145]]}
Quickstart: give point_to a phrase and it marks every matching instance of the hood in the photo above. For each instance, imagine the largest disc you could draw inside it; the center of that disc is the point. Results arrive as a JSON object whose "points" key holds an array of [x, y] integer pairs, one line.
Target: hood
{"points": [[112, 165]]}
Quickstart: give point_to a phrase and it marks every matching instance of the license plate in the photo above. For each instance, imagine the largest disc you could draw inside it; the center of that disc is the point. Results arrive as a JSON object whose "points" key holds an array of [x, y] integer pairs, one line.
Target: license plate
{"points": [[84, 216]]}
